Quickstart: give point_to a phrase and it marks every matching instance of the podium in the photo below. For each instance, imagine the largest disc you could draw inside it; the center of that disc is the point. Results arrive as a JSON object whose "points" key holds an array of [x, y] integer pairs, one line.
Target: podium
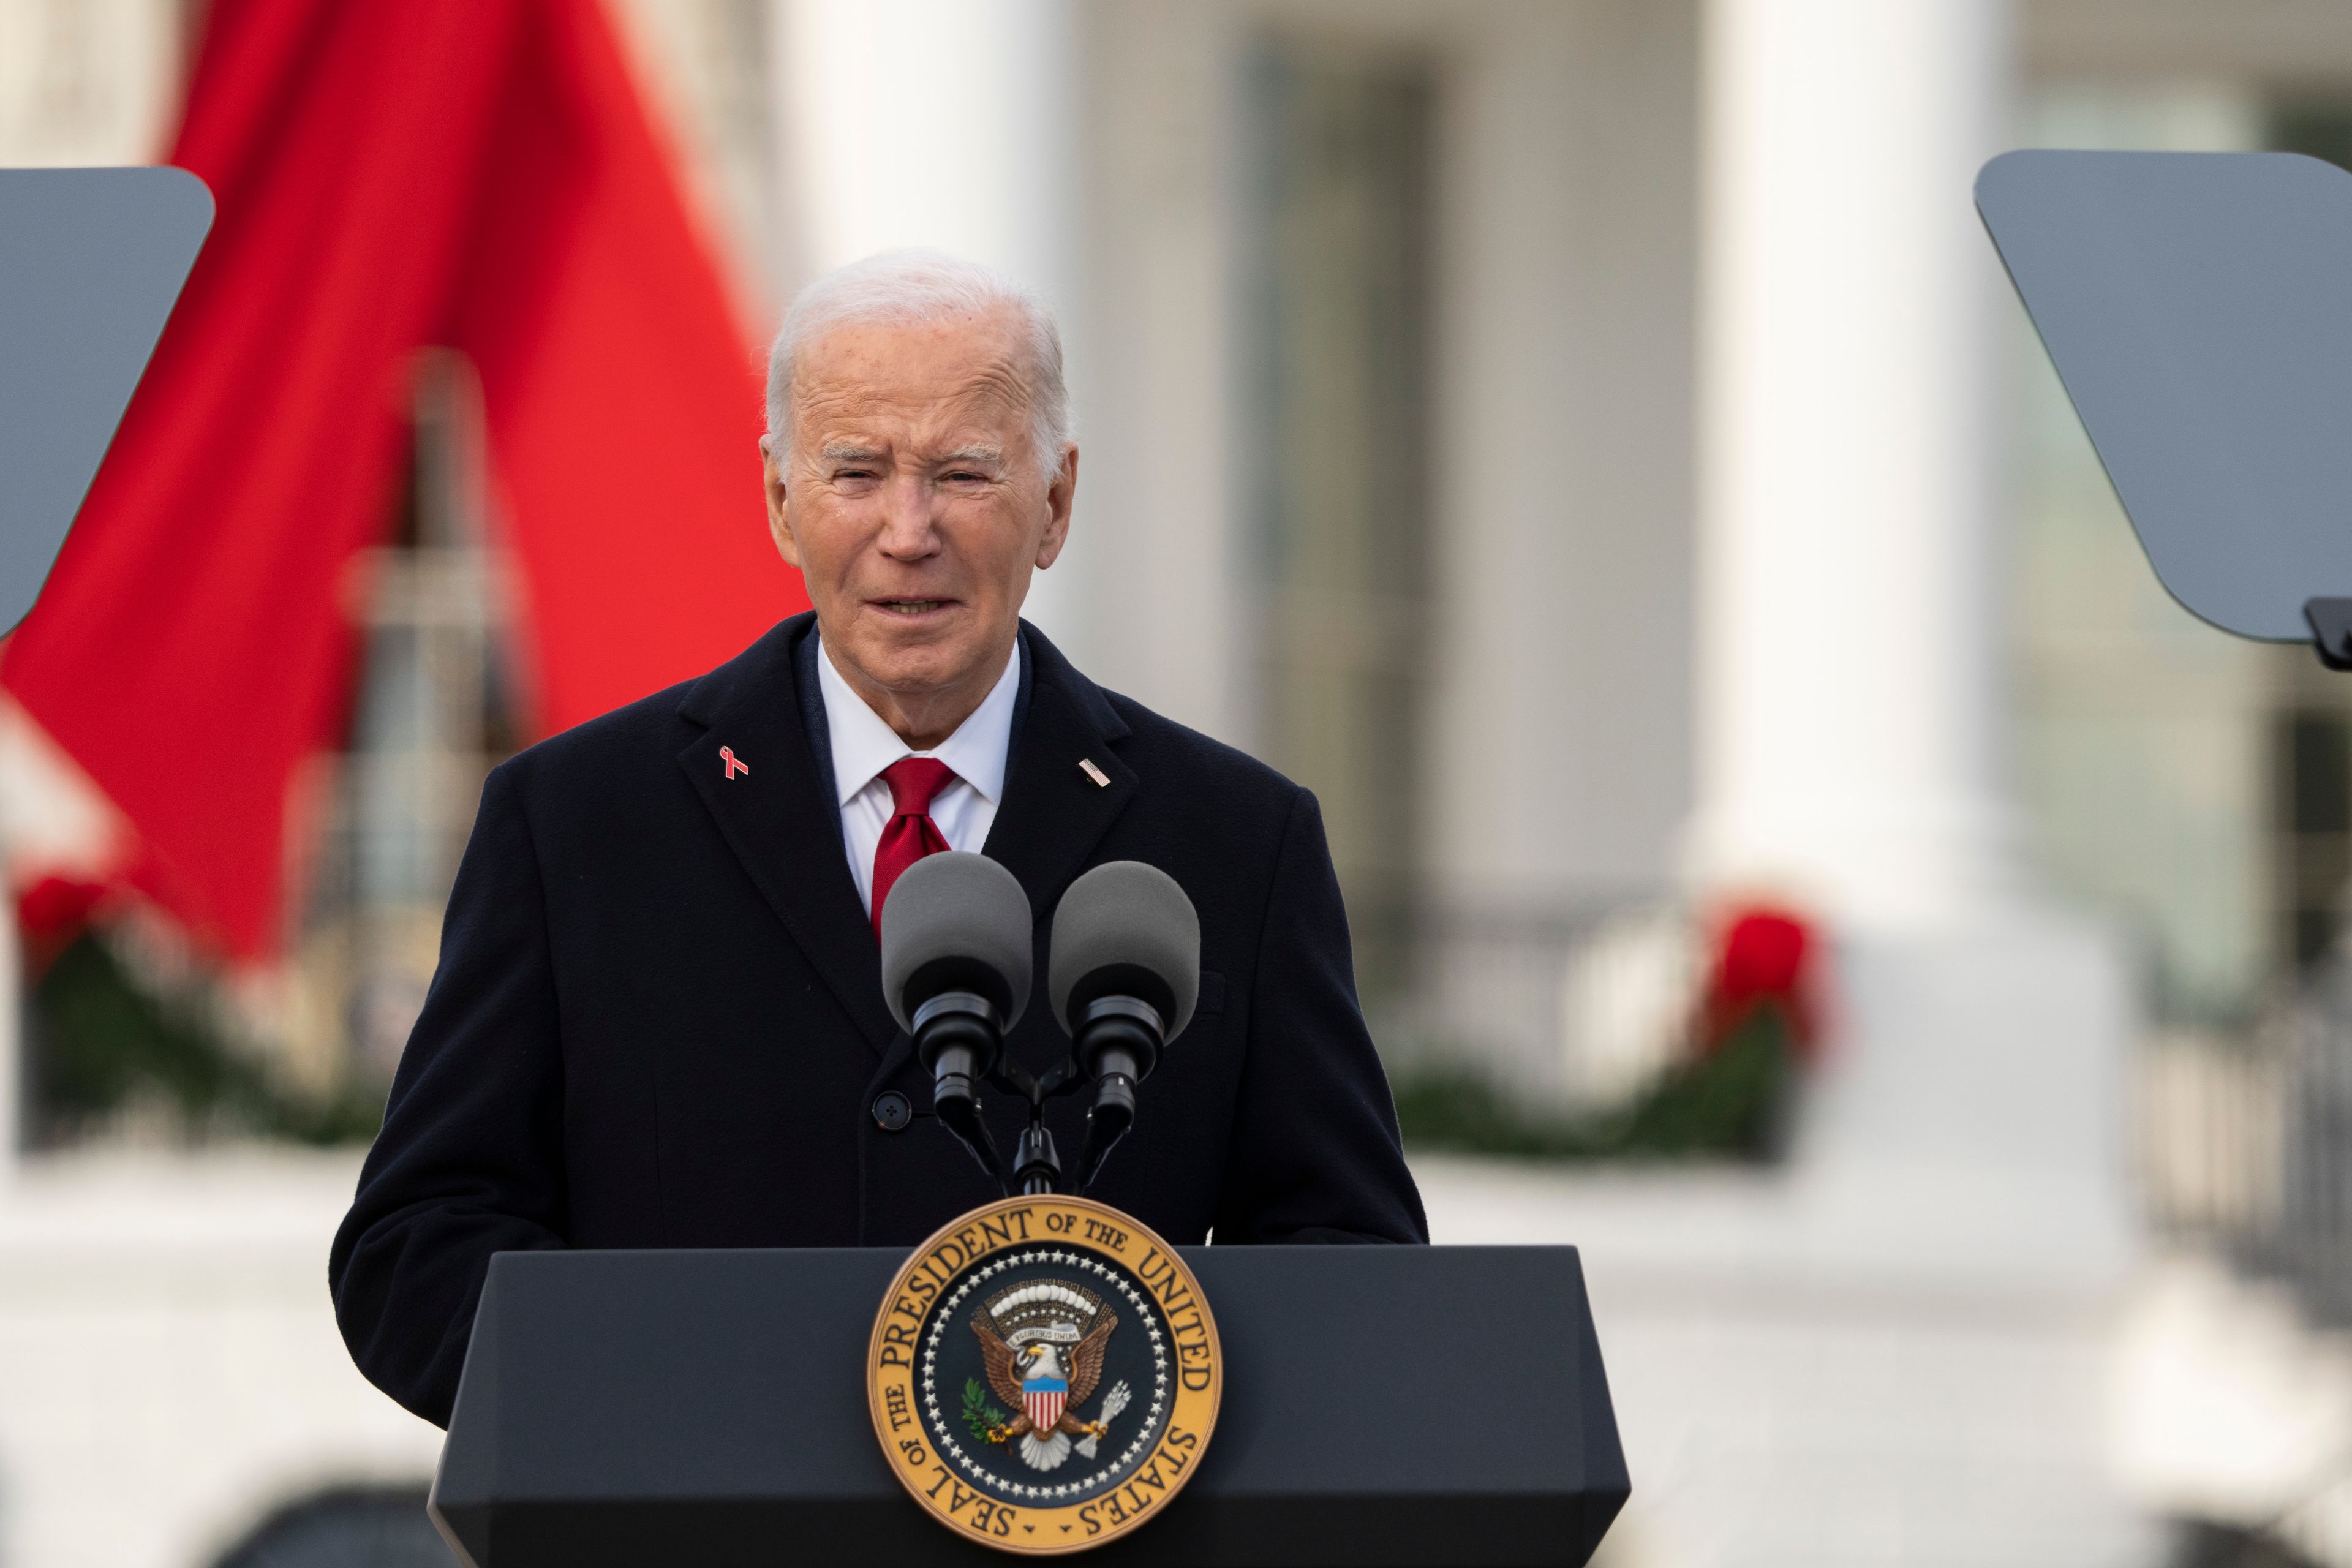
{"points": [[1383, 1405]]}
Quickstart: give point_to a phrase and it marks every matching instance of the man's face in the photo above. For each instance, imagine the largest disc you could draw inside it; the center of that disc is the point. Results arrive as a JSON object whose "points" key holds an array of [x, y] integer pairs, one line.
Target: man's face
{"points": [[913, 503]]}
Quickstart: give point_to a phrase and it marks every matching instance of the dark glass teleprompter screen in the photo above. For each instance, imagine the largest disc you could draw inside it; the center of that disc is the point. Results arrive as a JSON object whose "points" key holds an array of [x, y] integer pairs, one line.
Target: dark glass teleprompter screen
{"points": [[91, 262], [2198, 308]]}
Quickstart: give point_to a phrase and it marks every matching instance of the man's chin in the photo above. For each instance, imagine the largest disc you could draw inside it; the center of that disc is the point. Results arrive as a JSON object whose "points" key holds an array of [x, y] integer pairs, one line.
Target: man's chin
{"points": [[913, 654]]}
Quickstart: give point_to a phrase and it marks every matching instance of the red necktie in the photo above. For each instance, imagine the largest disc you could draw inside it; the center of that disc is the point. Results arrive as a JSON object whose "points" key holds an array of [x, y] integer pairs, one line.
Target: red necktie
{"points": [[910, 834]]}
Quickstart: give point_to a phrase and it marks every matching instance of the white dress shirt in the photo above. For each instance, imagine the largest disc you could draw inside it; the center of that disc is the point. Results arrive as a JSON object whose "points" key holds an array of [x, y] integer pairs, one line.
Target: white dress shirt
{"points": [[863, 745]]}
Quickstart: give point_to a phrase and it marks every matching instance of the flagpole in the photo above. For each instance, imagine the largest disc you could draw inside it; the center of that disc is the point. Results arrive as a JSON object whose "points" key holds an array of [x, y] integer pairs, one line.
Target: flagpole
{"points": [[12, 1032]]}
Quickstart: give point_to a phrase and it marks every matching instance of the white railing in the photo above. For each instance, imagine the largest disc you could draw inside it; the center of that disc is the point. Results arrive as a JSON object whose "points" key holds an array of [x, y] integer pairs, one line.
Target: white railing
{"points": [[1568, 1009]]}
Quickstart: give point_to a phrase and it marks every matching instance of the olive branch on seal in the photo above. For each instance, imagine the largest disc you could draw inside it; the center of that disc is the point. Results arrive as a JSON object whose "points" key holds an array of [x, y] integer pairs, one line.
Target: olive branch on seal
{"points": [[979, 1415]]}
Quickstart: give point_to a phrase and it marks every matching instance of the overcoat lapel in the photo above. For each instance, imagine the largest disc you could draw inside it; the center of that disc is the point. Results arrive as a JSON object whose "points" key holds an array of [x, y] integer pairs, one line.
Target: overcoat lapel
{"points": [[780, 821], [1053, 812]]}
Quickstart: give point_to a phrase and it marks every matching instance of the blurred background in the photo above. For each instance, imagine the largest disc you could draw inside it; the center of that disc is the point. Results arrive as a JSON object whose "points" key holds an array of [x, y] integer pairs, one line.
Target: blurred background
{"points": [[1795, 852]]}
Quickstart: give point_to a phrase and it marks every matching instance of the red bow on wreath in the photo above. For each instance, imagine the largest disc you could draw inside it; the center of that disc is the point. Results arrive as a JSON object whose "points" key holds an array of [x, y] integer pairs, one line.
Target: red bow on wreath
{"points": [[1765, 957]]}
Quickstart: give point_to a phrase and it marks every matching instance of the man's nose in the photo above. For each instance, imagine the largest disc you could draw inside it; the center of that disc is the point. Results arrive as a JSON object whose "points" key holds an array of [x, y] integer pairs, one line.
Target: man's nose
{"points": [[907, 518]]}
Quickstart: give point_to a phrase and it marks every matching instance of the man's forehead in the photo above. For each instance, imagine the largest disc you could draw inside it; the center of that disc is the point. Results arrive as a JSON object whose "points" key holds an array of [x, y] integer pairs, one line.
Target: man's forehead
{"points": [[908, 366], [972, 423], [875, 427]]}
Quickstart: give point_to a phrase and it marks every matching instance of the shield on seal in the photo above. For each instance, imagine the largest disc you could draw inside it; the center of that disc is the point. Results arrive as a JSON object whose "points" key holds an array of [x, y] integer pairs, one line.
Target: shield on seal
{"points": [[1042, 1399]]}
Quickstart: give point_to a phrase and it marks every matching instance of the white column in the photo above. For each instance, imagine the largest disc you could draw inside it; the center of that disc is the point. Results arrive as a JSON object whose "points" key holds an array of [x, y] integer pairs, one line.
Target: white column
{"points": [[1160, 495], [1969, 1112], [948, 123], [1847, 628]]}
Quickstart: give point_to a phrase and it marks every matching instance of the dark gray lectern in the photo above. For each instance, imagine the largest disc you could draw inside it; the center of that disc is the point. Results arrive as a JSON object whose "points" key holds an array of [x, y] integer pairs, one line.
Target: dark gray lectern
{"points": [[1383, 1405]]}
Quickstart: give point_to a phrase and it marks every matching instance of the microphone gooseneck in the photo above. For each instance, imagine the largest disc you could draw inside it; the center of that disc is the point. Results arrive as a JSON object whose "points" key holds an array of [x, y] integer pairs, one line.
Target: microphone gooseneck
{"points": [[958, 1035], [956, 973], [1124, 975]]}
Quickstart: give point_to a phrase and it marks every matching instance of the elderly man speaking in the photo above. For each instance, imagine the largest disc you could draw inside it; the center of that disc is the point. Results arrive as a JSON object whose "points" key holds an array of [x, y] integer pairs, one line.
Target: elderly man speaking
{"points": [[658, 1017]]}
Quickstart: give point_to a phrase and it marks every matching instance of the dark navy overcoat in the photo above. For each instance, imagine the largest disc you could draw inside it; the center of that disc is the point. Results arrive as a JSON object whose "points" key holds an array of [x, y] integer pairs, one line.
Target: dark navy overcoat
{"points": [[657, 1020]]}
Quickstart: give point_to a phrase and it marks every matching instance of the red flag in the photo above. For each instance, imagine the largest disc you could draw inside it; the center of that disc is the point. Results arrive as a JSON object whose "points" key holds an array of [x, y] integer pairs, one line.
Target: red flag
{"points": [[476, 174]]}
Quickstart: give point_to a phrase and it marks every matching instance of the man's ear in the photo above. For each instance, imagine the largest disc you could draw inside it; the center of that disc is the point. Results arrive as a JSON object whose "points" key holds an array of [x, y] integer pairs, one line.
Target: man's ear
{"points": [[779, 517], [1060, 497]]}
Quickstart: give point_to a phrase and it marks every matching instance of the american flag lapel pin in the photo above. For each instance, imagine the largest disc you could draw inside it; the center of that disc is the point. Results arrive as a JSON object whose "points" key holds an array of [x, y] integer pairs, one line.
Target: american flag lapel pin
{"points": [[735, 764], [1087, 766]]}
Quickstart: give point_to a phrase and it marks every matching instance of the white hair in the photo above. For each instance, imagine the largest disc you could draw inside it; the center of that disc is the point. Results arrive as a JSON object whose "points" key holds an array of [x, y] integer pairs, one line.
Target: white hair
{"points": [[903, 287]]}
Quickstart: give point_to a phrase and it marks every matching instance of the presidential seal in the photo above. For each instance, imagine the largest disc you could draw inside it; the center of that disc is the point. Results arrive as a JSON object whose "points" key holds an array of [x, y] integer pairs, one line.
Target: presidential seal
{"points": [[1044, 1374]]}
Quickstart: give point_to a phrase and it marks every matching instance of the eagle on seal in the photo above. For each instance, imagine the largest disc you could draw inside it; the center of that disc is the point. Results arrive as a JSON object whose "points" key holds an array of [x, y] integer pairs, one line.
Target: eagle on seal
{"points": [[1015, 1375]]}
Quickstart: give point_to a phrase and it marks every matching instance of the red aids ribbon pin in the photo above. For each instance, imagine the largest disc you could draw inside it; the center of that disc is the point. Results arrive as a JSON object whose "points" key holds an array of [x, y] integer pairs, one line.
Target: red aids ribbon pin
{"points": [[734, 764]]}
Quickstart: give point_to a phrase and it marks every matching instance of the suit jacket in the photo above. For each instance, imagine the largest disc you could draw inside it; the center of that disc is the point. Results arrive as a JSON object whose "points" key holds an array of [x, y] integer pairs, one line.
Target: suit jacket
{"points": [[658, 1019]]}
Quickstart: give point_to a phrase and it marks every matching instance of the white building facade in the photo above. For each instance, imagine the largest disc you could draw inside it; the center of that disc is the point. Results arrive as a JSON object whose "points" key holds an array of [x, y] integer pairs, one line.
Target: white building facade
{"points": [[1592, 443]]}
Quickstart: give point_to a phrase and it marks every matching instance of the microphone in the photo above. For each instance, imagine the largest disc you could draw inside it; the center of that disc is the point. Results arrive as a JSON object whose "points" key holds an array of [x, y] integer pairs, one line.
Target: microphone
{"points": [[1125, 970], [956, 972]]}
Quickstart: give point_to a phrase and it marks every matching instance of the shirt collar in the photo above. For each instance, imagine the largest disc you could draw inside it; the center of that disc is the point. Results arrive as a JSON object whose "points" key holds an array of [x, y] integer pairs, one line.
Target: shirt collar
{"points": [[863, 745]]}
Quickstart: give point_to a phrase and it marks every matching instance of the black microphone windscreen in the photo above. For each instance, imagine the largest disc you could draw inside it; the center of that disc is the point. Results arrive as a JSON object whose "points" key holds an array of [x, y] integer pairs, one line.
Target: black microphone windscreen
{"points": [[1125, 928], [955, 922]]}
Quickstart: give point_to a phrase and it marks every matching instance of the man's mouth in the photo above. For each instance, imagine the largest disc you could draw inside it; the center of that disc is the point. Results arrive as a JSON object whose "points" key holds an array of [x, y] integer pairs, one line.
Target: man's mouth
{"points": [[912, 607]]}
